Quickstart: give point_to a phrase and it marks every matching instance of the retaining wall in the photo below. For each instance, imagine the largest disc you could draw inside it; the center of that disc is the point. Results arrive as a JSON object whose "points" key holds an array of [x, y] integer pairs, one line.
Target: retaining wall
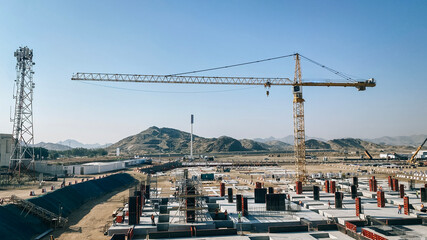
{"points": [[16, 226]]}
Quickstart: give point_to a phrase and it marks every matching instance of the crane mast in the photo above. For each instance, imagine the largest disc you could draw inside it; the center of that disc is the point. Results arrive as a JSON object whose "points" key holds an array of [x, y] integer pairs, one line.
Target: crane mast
{"points": [[298, 100], [299, 128]]}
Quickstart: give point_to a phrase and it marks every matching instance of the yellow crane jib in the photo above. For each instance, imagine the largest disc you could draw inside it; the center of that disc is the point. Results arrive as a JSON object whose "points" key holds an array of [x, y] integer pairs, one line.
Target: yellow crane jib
{"points": [[267, 82]]}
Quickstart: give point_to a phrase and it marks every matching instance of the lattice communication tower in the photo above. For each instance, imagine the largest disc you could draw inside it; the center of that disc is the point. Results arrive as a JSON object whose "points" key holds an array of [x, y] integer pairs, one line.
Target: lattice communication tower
{"points": [[23, 135]]}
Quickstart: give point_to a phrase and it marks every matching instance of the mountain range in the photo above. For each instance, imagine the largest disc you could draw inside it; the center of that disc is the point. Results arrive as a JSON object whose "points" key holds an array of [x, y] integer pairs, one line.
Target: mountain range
{"points": [[413, 140], [169, 140], [76, 144], [288, 139], [69, 144]]}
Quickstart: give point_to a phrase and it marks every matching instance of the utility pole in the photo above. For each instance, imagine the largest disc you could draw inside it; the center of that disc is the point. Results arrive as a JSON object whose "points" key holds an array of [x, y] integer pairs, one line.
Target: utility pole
{"points": [[191, 137]]}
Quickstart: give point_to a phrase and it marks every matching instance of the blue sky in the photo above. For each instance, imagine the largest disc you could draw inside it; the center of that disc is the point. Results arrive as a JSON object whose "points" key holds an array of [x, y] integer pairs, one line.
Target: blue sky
{"points": [[385, 40]]}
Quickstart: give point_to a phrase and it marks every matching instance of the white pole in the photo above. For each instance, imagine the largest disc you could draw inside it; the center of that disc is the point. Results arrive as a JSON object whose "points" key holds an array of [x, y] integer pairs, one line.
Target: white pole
{"points": [[191, 136]]}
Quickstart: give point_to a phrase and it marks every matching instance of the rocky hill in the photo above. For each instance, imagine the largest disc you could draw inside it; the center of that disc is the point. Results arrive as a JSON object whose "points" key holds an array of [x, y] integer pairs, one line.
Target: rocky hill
{"points": [[316, 144], [169, 140], [352, 143]]}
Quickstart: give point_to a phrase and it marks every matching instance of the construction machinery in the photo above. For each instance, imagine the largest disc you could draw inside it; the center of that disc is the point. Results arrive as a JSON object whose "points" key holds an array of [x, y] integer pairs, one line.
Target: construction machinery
{"points": [[399, 156], [368, 155], [297, 84], [413, 159]]}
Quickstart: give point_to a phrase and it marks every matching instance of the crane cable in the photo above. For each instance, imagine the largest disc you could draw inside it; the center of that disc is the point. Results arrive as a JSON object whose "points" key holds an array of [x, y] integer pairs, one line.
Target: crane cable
{"points": [[338, 73], [233, 65], [346, 77]]}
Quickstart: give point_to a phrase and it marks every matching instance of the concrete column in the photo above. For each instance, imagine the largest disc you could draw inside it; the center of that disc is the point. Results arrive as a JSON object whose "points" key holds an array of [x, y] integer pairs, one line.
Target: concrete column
{"points": [[353, 191], [238, 202], [338, 199], [332, 183], [222, 190], [230, 195], [316, 190], [245, 206], [356, 181], [423, 193]]}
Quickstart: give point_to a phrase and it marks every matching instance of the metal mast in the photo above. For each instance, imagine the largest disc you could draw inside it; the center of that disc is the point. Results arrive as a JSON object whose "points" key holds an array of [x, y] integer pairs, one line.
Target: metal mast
{"points": [[191, 136], [23, 136], [299, 129]]}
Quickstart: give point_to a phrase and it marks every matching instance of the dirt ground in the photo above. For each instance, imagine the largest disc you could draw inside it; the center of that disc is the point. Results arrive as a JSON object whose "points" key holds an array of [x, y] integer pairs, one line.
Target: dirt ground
{"points": [[24, 191], [90, 221]]}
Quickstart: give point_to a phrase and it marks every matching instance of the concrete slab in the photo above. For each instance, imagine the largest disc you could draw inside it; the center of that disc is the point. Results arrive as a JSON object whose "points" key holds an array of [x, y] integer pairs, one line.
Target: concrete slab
{"points": [[279, 236]]}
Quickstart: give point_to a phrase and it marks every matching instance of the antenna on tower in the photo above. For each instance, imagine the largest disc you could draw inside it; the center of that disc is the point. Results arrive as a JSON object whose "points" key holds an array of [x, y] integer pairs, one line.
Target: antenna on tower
{"points": [[23, 136]]}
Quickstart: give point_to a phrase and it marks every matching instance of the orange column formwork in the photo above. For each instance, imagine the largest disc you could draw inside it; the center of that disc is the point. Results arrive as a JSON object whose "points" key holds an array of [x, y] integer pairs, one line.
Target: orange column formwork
{"points": [[299, 187], [358, 206], [406, 205], [222, 190], [402, 191], [395, 185], [327, 186], [372, 235], [380, 199], [374, 185], [350, 226]]}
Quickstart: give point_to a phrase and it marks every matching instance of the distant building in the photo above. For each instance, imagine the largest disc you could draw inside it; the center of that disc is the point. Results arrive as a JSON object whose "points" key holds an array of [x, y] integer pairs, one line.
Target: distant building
{"points": [[387, 156], [5, 149]]}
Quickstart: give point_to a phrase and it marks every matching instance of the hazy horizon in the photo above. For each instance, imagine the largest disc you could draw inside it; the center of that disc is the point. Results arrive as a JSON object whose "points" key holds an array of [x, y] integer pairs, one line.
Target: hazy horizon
{"points": [[279, 137], [365, 39]]}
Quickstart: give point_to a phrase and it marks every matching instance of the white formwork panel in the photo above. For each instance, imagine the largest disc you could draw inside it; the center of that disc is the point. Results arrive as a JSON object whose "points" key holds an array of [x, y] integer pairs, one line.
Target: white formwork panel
{"points": [[90, 169], [69, 170], [77, 169]]}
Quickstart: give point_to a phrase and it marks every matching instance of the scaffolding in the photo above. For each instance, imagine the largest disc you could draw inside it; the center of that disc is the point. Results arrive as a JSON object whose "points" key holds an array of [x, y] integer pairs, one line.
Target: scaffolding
{"points": [[153, 184], [192, 207]]}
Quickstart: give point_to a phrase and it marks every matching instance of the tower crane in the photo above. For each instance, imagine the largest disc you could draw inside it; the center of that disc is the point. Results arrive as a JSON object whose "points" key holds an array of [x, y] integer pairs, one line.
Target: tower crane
{"points": [[296, 83]]}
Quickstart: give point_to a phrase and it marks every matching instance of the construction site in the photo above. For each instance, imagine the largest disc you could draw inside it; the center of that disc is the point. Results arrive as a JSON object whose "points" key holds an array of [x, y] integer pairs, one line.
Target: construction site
{"points": [[276, 196], [344, 159]]}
